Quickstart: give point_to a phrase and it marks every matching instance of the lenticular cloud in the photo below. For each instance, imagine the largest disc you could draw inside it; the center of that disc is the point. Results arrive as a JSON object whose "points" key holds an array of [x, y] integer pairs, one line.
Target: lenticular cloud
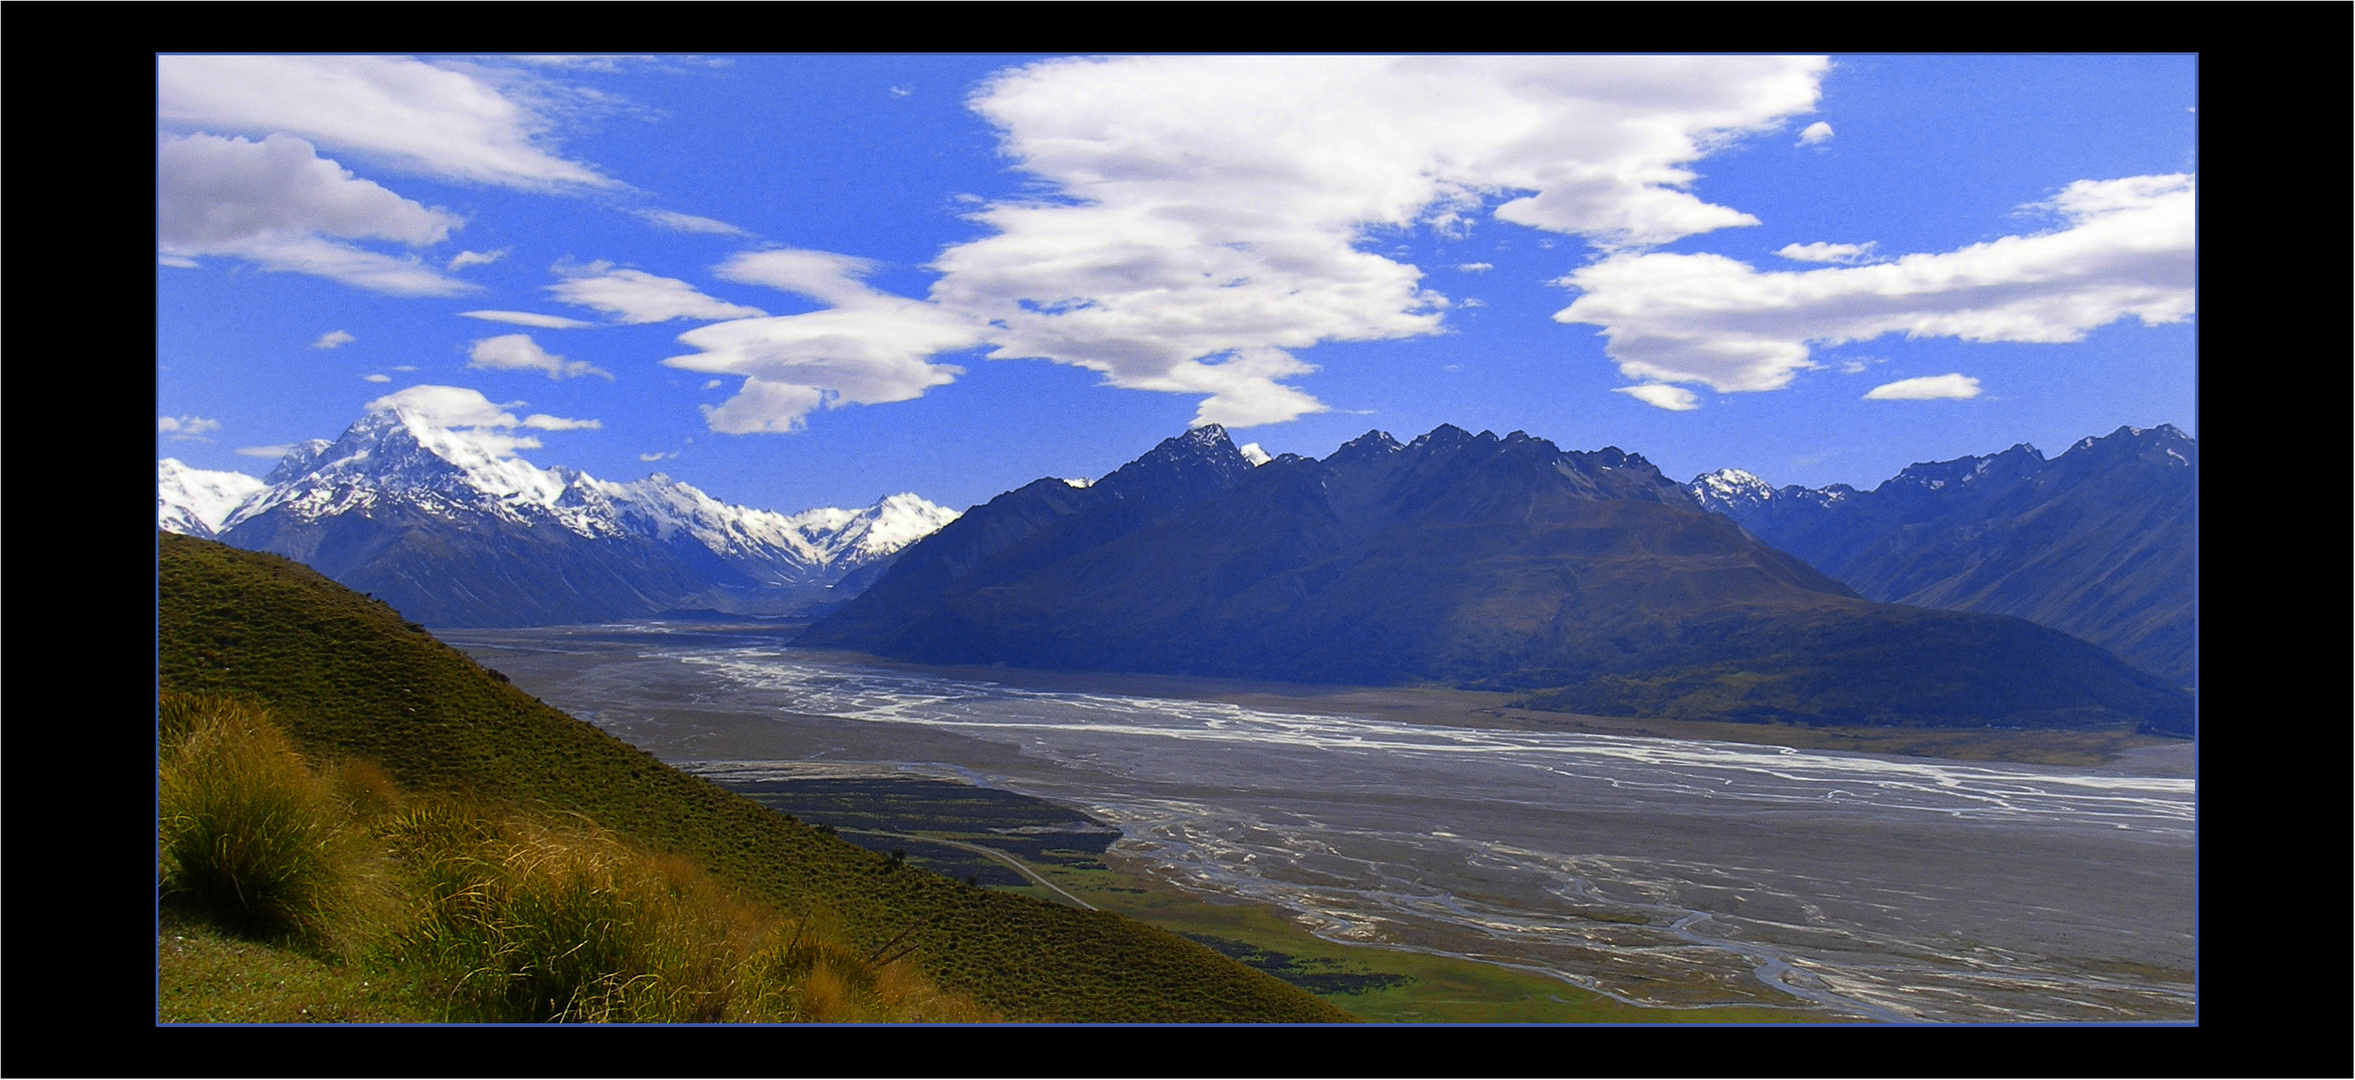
{"points": [[2125, 250]]}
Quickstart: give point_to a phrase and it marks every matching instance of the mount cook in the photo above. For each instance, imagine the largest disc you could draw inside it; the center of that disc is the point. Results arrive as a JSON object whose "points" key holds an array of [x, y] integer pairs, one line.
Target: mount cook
{"points": [[451, 529]]}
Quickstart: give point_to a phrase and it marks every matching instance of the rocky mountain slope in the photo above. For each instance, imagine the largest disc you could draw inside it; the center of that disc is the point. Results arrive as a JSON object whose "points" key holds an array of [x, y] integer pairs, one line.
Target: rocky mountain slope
{"points": [[2101, 542], [1585, 577]]}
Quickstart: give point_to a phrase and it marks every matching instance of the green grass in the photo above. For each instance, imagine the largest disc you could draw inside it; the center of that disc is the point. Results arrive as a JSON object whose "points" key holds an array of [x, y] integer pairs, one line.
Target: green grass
{"points": [[351, 681], [210, 976]]}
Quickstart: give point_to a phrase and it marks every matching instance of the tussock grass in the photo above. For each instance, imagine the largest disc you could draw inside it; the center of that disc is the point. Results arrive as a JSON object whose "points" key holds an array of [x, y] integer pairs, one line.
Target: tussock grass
{"points": [[487, 913], [250, 837]]}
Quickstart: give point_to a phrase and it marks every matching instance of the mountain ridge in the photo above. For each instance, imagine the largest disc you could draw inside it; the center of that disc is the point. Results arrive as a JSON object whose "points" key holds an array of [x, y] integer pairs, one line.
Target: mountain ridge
{"points": [[2100, 542], [1472, 560]]}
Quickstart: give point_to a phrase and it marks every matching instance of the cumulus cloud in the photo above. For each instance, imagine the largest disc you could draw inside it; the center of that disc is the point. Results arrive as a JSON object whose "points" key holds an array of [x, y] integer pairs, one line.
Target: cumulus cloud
{"points": [[866, 347], [1821, 252], [1671, 398], [689, 223], [271, 452], [186, 427], [1816, 134], [635, 296], [1207, 213], [1254, 454], [1926, 388], [333, 339], [408, 113], [1476, 268], [528, 318], [376, 378], [464, 259], [278, 204], [518, 352], [2124, 249], [658, 456]]}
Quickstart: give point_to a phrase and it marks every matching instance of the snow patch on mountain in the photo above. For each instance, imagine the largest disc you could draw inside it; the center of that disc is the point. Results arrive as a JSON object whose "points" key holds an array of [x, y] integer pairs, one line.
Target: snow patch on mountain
{"points": [[1728, 488], [396, 456], [196, 502]]}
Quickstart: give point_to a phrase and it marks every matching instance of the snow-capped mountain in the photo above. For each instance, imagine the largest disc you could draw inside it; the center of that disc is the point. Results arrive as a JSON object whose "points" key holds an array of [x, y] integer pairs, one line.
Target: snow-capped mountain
{"points": [[452, 528], [197, 502]]}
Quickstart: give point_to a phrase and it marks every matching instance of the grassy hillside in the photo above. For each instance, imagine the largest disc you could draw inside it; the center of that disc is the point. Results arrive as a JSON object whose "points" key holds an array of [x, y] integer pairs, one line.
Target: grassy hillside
{"points": [[348, 677]]}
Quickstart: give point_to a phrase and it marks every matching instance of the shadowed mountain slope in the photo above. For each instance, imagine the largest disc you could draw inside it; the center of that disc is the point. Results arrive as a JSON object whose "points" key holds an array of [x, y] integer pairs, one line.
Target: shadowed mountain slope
{"points": [[2101, 542], [1468, 560]]}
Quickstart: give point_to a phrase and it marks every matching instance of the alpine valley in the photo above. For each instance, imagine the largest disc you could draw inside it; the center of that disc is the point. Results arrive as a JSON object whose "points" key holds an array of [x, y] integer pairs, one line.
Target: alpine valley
{"points": [[1582, 581]]}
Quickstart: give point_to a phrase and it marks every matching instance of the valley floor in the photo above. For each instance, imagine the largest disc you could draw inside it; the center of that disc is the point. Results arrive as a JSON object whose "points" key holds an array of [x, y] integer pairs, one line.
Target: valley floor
{"points": [[1657, 869]]}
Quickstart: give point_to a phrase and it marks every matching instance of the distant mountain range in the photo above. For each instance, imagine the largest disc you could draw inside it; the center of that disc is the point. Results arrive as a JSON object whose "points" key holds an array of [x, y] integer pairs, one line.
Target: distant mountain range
{"points": [[2101, 542], [451, 531], [1587, 579]]}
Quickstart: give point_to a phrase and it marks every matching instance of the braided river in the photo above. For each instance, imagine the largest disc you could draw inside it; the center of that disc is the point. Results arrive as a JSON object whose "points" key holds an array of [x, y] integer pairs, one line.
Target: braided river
{"points": [[1664, 872]]}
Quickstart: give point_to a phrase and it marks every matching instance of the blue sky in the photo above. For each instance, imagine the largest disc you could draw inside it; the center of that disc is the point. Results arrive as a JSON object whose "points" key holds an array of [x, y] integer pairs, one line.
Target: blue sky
{"points": [[797, 281]]}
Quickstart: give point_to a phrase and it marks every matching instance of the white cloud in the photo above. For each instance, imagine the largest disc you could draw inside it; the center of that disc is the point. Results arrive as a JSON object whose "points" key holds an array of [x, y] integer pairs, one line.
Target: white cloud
{"points": [[1821, 252], [866, 347], [1926, 388], [1672, 398], [276, 203], [186, 427], [545, 422], [658, 457], [411, 114], [1816, 134], [2125, 250], [476, 418], [1252, 453], [333, 339], [635, 296], [376, 378], [272, 452], [448, 406], [181, 262], [689, 223], [518, 352], [405, 367], [711, 384], [464, 259], [1208, 212], [528, 318], [1476, 268]]}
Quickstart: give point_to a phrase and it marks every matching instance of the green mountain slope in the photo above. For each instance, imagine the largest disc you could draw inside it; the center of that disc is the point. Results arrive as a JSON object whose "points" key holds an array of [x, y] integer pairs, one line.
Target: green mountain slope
{"points": [[349, 677]]}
